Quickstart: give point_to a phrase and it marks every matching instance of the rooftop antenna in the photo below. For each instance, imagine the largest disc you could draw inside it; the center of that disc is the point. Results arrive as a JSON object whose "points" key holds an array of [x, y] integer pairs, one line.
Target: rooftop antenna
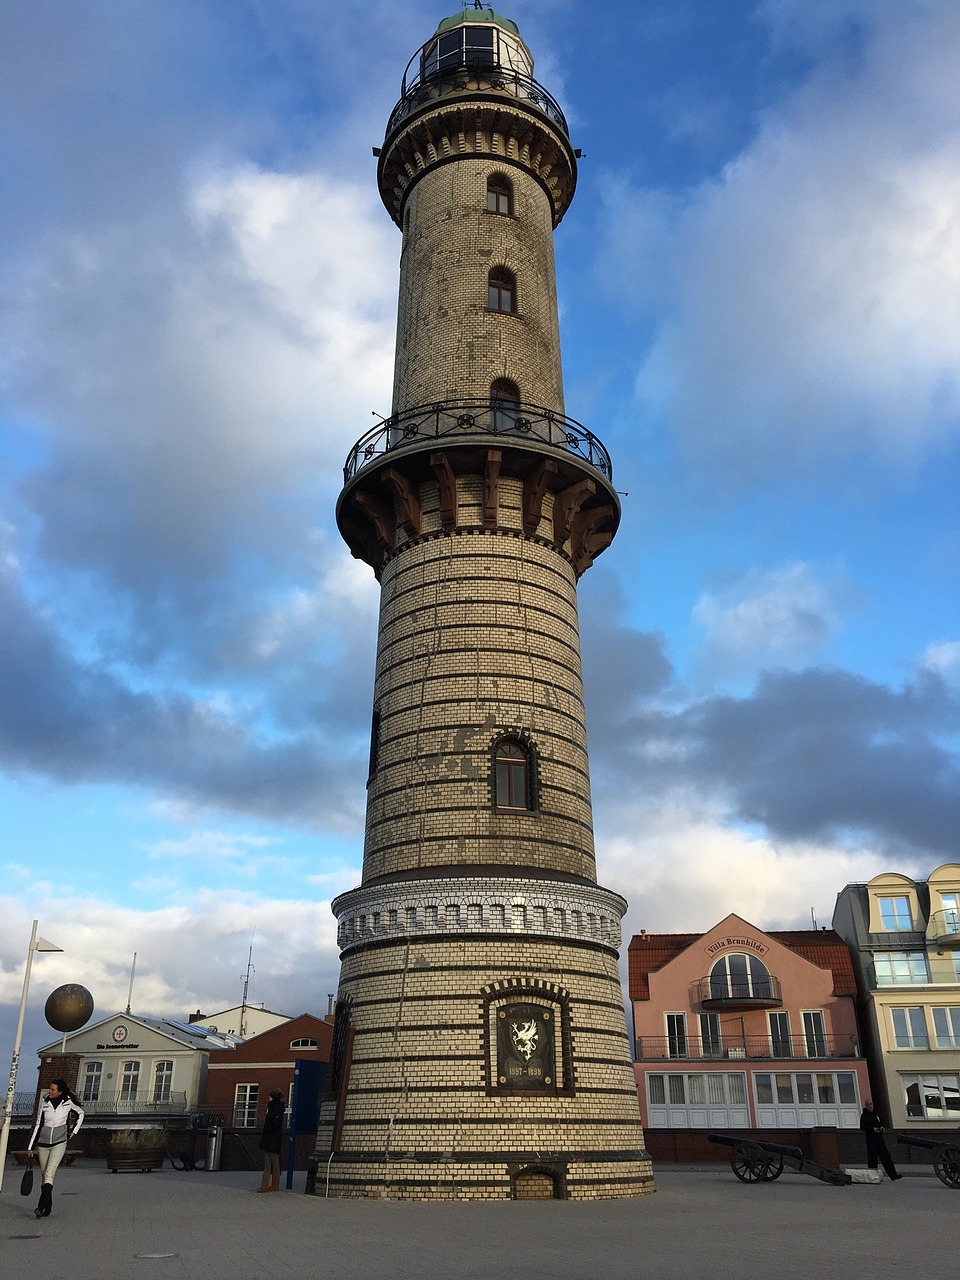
{"points": [[246, 990], [813, 917], [133, 970]]}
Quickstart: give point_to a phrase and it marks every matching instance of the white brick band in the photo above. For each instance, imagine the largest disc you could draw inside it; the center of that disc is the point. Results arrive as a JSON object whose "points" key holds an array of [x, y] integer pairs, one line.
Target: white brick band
{"points": [[481, 905]]}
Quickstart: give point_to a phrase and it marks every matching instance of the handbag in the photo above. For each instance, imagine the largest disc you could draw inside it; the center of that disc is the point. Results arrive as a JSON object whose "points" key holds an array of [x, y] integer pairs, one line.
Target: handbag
{"points": [[26, 1182]]}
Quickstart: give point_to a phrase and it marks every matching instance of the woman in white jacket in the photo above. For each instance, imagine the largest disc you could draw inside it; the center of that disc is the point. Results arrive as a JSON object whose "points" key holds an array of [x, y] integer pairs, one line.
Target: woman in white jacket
{"points": [[59, 1118]]}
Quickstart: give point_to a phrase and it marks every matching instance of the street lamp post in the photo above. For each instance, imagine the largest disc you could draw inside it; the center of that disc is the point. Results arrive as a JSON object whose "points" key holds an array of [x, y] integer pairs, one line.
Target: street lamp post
{"points": [[36, 944]]}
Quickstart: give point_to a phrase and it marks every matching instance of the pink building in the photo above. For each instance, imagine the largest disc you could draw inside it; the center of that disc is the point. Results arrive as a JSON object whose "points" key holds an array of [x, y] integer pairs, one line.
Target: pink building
{"points": [[740, 1029]]}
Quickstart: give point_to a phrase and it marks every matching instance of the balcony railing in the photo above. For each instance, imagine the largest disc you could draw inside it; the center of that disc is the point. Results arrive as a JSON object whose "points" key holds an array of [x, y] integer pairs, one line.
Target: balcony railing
{"points": [[476, 78], [136, 1104], [748, 993], [740, 1048], [462, 420], [944, 927]]}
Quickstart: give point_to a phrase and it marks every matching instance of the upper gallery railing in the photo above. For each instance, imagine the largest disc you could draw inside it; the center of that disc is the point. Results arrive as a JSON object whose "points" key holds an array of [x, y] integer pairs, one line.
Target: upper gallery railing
{"points": [[464, 78], [454, 420]]}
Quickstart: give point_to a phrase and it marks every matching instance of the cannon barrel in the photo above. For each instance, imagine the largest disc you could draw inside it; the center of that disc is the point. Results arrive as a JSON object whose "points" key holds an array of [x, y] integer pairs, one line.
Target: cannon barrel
{"points": [[774, 1148], [932, 1144]]}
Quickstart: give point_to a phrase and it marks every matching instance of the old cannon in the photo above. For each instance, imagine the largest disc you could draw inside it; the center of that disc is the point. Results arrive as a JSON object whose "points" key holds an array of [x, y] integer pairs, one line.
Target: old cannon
{"points": [[753, 1160], [946, 1158]]}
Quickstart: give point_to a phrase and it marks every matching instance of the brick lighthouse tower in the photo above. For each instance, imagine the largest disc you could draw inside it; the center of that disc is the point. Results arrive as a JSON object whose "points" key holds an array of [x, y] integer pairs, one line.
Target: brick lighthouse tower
{"points": [[480, 1048]]}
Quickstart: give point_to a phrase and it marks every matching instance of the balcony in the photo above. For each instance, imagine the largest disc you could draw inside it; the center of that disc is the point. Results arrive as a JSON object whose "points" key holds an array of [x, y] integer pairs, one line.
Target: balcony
{"points": [[721, 992], [475, 77], [944, 928], [737, 1048], [140, 1106], [455, 421]]}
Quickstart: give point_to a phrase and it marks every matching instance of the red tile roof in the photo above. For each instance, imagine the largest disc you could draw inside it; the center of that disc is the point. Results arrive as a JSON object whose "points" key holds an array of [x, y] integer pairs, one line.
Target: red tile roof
{"points": [[649, 952]]}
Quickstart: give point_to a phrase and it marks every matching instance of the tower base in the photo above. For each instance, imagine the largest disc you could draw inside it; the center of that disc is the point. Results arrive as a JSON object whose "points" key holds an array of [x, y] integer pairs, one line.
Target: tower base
{"points": [[516, 1175]]}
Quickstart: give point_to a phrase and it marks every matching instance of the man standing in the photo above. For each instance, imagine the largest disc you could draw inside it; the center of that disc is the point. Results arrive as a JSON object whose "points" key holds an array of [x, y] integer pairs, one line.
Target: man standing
{"points": [[876, 1146]]}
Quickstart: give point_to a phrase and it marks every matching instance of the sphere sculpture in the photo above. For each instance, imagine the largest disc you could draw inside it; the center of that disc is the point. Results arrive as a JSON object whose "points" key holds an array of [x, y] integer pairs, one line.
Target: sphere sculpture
{"points": [[69, 1007]]}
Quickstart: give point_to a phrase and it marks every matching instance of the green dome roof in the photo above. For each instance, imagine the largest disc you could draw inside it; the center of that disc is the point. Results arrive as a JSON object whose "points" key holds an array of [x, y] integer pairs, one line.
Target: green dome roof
{"points": [[485, 16]]}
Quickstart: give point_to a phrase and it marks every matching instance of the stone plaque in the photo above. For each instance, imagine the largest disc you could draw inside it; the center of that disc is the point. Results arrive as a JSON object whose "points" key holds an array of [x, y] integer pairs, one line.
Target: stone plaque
{"points": [[525, 1052]]}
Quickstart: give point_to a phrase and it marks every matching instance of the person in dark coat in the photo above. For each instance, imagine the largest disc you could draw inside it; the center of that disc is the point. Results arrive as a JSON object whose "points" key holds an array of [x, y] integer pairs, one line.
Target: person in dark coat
{"points": [[270, 1142], [876, 1144]]}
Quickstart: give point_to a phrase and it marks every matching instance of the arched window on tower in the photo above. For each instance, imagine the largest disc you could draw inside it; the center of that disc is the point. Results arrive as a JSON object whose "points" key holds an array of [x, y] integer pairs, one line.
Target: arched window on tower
{"points": [[502, 290], [514, 775], [504, 403], [499, 194]]}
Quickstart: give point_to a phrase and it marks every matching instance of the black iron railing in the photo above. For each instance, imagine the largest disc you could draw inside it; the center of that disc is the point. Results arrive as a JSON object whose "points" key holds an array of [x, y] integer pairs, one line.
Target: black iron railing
{"points": [[476, 78], [455, 420], [738, 1048], [140, 1104], [723, 990]]}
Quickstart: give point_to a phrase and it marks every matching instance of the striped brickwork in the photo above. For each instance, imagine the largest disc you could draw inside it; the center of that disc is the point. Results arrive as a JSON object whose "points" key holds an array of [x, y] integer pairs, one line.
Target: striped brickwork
{"points": [[449, 346], [471, 910], [478, 637]]}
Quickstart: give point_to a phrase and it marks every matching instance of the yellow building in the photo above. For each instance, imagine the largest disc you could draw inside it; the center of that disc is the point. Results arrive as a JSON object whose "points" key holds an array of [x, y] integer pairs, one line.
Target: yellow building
{"points": [[905, 939]]}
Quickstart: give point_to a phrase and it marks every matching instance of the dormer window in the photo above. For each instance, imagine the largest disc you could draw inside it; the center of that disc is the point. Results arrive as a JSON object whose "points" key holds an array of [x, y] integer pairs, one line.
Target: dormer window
{"points": [[895, 914]]}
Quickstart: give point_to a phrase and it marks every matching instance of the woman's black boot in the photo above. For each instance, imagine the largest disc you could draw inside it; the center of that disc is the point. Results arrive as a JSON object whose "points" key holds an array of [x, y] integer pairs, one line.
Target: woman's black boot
{"points": [[45, 1203]]}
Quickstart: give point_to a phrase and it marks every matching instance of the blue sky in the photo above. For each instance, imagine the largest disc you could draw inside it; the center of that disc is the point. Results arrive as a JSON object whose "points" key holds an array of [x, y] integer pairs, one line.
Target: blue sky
{"points": [[760, 311]]}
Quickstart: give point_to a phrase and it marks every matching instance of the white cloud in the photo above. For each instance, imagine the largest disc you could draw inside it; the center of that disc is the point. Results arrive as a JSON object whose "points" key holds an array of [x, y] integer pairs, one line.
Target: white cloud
{"points": [[784, 616], [944, 659], [810, 294], [189, 955], [193, 365], [681, 870], [210, 845]]}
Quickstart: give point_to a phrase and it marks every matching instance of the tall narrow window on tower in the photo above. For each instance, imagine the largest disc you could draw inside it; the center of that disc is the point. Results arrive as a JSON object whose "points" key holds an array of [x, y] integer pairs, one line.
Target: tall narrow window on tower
{"points": [[504, 403], [502, 290], [512, 765], [499, 195]]}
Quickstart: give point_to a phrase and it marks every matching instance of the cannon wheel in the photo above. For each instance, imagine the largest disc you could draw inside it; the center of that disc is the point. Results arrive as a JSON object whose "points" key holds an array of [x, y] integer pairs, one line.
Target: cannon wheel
{"points": [[774, 1170], [946, 1164], [750, 1163]]}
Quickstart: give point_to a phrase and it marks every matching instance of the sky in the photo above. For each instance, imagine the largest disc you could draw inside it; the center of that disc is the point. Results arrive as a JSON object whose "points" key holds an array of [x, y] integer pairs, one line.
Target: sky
{"points": [[759, 284]]}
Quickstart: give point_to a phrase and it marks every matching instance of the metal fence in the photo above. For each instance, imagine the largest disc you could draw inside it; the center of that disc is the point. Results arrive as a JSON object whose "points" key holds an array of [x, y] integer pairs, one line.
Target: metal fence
{"points": [[739, 1048], [452, 420], [477, 79]]}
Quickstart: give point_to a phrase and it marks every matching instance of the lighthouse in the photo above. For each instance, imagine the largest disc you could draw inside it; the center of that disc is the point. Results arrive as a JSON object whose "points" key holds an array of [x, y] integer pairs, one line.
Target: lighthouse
{"points": [[480, 1045]]}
